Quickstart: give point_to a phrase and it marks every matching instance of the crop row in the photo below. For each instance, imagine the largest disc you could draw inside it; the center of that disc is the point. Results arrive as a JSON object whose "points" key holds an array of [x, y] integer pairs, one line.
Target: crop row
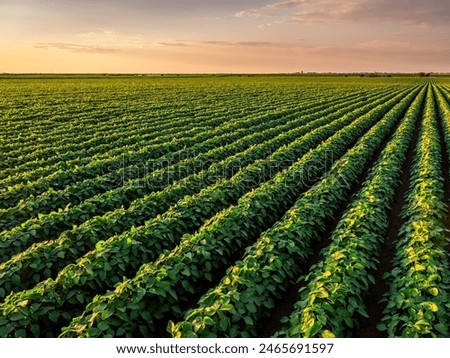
{"points": [[101, 269], [37, 161], [334, 297], [249, 290], [162, 288], [45, 120], [443, 106], [133, 117], [89, 152], [48, 255], [137, 154], [29, 155], [47, 226], [140, 209], [107, 144], [83, 189], [94, 116], [138, 142], [418, 298], [35, 110]]}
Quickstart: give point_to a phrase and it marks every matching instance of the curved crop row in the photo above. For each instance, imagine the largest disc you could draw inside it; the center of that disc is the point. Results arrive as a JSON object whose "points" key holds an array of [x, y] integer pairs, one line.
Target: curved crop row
{"points": [[101, 146], [47, 255], [48, 226], [36, 230], [133, 158], [91, 111], [105, 266], [127, 176], [160, 289], [104, 145], [249, 289], [418, 298], [111, 179], [94, 118], [443, 106], [333, 298]]}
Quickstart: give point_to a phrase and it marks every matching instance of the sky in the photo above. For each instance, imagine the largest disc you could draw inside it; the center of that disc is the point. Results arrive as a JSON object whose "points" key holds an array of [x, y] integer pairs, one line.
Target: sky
{"points": [[227, 36]]}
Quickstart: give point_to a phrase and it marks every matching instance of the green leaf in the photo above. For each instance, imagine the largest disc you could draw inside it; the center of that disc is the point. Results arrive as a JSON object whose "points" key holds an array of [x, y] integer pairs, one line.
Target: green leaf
{"points": [[248, 320], [223, 324], [362, 311], [93, 332], [353, 302], [328, 307], [251, 307], [20, 333], [103, 325], [35, 329], [442, 329], [53, 316], [4, 331], [16, 316], [106, 314]]}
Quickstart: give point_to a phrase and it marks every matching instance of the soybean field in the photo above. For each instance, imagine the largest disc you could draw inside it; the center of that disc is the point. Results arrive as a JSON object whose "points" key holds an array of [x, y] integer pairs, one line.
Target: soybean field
{"points": [[224, 206]]}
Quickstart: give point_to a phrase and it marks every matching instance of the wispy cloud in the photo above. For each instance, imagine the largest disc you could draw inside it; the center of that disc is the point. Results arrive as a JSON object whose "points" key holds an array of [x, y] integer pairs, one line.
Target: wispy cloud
{"points": [[97, 42], [407, 12], [323, 11], [76, 47], [386, 51], [93, 48], [174, 44], [183, 43], [383, 44], [265, 10], [111, 38]]}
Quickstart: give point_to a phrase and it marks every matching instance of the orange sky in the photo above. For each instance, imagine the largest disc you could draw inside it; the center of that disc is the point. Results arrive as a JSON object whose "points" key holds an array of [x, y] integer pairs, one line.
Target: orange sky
{"points": [[224, 36]]}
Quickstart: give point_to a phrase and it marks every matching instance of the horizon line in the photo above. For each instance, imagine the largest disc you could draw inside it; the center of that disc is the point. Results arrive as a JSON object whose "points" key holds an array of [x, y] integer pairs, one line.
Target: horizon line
{"points": [[226, 73]]}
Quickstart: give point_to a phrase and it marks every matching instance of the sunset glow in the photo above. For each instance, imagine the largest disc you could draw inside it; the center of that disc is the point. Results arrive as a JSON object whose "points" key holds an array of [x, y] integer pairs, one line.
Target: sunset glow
{"points": [[198, 36]]}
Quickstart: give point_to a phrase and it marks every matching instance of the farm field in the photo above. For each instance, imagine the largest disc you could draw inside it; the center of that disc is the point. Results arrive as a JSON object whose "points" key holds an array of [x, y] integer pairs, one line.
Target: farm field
{"points": [[224, 206]]}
